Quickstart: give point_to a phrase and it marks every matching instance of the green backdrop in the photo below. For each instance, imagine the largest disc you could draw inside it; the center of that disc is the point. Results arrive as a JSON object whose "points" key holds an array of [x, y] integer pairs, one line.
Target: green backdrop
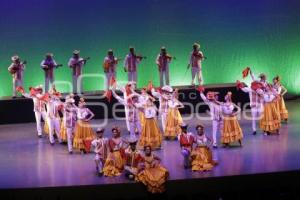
{"points": [[263, 34]]}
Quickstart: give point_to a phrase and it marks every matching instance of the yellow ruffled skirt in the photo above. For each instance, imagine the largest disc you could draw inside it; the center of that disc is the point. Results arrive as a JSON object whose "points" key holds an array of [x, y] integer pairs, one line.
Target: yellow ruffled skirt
{"points": [[46, 128], [284, 114], [154, 178], [83, 132], [270, 121], [63, 133], [231, 130], [174, 120], [142, 118], [202, 159], [151, 135], [114, 164]]}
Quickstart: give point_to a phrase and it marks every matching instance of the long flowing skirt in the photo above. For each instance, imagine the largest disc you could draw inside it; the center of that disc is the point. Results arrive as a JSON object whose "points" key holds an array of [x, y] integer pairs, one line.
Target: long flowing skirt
{"points": [[142, 118], [154, 178], [151, 134], [231, 130], [63, 132], [174, 120], [202, 159], [83, 132], [270, 121], [284, 114], [114, 164]]}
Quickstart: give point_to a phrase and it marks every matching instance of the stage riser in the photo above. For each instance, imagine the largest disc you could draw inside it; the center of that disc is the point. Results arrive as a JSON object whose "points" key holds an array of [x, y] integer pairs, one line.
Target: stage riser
{"points": [[21, 110]]}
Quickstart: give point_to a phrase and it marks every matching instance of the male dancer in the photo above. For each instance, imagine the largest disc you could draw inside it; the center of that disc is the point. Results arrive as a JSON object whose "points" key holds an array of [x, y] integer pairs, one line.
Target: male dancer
{"points": [[215, 112], [186, 140], [100, 146]]}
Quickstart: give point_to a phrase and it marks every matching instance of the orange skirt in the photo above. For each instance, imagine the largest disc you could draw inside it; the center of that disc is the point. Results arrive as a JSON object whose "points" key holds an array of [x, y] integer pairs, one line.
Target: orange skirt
{"points": [[142, 118], [231, 130], [174, 120], [114, 164], [284, 114], [63, 132], [154, 178], [46, 128], [202, 159], [83, 131], [270, 121], [151, 134]]}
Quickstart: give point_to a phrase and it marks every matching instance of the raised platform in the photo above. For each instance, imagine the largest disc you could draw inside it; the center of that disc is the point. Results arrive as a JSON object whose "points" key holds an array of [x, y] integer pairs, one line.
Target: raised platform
{"points": [[266, 167], [20, 110]]}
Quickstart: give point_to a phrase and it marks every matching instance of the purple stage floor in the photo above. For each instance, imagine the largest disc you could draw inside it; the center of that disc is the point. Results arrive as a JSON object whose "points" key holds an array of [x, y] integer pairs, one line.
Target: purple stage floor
{"points": [[26, 161]]}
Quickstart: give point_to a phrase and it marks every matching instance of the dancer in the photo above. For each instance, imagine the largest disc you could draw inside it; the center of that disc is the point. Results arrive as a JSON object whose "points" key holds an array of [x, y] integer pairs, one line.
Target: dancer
{"points": [[48, 65], [53, 118], [131, 63], [151, 135], [133, 113], [231, 128], [100, 148], [70, 117], [152, 175], [186, 140], [115, 161], [281, 91], [163, 61], [110, 67], [195, 62], [256, 101], [143, 100], [133, 160], [164, 95], [39, 106], [83, 130], [76, 63], [201, 154], [270, 120], [16, 69], [215, 113], [174, 119]]}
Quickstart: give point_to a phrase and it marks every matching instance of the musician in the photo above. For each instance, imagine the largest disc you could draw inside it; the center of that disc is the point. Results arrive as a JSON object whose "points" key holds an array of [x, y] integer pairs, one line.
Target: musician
{"points": [[131, 63], [195, 61], [17, 70], [109, 66], [76, 63], [48, 65], [163, 60]]}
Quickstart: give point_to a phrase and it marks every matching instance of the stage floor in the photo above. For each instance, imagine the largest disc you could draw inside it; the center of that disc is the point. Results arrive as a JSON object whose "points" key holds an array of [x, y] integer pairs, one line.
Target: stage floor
{"points": [[26, 161]]}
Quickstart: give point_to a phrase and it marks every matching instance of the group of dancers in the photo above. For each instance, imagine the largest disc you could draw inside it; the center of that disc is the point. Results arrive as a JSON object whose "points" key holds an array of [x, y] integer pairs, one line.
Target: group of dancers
{"points": [[131, 62], [70, 123]]}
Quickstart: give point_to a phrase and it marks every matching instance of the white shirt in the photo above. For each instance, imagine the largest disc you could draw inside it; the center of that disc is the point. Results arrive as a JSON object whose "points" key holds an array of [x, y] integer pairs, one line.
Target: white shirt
{"points": [[215, 109]]}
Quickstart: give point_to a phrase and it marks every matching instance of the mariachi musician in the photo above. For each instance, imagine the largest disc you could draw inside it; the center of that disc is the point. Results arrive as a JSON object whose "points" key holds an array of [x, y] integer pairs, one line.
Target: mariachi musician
{"points": [[163, 60], [77, 63], [110, 67], [131, 63], [195, 61], [48, 65], [16, 69]]}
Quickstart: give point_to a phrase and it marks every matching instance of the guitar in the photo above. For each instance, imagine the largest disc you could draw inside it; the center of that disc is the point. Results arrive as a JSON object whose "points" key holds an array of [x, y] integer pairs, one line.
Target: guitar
{"points": [[14, 69], [49, 66], [80, 61], [109, 63]]}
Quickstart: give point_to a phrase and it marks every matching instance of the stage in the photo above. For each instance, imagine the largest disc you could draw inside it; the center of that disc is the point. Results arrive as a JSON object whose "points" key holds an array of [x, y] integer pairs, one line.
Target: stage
{"points": [[28, 162]]}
